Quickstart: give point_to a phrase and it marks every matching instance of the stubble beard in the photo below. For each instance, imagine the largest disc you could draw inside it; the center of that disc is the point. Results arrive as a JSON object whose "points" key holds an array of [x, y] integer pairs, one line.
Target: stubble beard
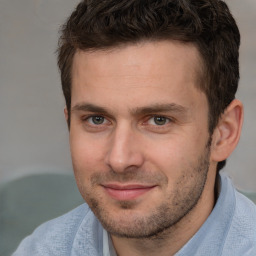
{"points": [[175, 207]]}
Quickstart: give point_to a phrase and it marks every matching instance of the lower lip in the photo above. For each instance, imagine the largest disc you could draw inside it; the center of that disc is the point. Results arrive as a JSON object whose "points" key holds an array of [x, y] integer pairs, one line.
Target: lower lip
{"points": [[127, 194]]}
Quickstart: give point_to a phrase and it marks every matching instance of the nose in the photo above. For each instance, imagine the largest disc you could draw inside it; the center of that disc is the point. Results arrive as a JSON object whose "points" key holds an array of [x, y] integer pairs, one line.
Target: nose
{"points": [[124, 151]]}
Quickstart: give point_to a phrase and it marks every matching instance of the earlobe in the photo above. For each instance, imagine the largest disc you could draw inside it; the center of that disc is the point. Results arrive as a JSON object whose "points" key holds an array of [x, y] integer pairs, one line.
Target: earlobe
{"points": [[227, 132]]}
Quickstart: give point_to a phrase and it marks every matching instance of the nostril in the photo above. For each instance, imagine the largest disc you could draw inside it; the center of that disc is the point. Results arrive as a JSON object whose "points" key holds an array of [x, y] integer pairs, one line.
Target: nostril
{"points": [[123, 163]]}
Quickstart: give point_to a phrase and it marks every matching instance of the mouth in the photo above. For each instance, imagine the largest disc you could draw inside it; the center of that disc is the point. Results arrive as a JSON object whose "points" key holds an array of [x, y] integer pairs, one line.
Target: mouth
{"points": [[127, 192]]}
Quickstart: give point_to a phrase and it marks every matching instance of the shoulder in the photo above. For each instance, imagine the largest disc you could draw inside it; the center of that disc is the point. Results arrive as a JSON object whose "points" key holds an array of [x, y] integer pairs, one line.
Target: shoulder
{"points": [[56, 236], [244, 219], [242, 233]]}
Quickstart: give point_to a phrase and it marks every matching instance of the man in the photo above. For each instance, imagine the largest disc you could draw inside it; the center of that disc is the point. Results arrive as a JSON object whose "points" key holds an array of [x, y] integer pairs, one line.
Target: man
{"points": [[150, 104]]}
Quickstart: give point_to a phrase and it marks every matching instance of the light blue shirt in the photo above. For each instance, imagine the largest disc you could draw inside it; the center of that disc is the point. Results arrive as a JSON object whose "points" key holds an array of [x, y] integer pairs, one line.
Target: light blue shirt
{"points": [[108, 248], [230, 230]]}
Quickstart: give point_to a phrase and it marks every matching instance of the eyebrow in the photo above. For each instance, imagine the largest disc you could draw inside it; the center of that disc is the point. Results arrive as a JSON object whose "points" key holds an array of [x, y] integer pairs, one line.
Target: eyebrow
{"points": [[90, 108], [160, 108], [154, 108]]}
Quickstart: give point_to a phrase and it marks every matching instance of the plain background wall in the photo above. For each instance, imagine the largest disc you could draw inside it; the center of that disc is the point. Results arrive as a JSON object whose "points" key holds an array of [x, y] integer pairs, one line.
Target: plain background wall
{"points": [[33, 132]]}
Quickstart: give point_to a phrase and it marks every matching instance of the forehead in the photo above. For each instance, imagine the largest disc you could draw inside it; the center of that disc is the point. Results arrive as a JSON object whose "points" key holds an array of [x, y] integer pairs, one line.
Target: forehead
{"points": [[163, 70], [158, 53]]}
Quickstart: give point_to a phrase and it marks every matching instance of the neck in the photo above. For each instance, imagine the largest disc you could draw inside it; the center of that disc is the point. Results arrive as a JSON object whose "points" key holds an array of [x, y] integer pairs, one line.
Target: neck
{"points": [[171, 240]]}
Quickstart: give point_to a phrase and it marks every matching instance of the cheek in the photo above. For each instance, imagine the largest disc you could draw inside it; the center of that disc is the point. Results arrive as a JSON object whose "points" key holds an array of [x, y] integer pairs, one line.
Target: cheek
{"points": [[87, 156], [176, 155]]}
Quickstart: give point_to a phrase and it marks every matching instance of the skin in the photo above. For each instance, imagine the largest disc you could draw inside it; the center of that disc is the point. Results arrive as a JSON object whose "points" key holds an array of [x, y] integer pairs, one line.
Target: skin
{"points": [[142, 155]]}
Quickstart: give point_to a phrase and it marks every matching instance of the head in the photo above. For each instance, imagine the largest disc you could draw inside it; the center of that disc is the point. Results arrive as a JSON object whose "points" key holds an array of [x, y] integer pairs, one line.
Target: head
{"points": [[147, 84], [97, 25]]}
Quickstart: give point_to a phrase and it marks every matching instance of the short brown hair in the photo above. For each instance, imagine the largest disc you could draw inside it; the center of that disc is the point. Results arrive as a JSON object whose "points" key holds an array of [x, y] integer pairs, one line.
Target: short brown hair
{"points": [[208, 24]]}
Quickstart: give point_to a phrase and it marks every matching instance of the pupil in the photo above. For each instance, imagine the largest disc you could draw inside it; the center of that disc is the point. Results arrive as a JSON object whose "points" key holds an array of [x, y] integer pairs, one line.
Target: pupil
{"points": [[159, 120], [98, 119]]}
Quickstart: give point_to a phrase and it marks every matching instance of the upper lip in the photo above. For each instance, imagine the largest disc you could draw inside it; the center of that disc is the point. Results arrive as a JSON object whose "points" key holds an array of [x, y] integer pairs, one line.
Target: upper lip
{"points": [[127, 186]]}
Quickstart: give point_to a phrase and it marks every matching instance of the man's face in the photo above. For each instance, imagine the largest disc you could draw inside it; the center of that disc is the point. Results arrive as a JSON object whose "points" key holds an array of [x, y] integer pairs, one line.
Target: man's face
{"points": [[139, 135]]}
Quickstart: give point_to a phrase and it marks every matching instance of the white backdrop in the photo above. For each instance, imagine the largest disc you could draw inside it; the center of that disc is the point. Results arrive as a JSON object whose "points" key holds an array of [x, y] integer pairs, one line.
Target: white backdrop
{"points": [[33, 132]]}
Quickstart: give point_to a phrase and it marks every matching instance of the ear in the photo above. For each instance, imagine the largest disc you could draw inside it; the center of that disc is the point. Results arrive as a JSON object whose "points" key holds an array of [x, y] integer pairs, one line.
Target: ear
{"points": [[66, 114], [227, 133]]}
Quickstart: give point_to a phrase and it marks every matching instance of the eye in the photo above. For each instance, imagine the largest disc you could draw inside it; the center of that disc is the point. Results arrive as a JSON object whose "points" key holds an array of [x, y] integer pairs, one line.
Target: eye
{"points": [[96, 120], [158, 120]]}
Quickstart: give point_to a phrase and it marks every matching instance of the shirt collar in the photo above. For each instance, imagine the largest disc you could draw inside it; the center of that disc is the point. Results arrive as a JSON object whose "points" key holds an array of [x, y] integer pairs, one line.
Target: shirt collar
{"points": [[108, 248], [212, 234]]}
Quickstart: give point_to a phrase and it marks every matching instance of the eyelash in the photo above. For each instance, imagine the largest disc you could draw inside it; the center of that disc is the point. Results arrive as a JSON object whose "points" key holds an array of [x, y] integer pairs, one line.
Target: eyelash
{"points": [[88, 117], [166, 120], [146, 122]]}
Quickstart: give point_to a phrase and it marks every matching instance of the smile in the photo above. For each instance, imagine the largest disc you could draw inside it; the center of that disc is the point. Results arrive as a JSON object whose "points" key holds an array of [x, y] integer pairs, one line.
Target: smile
{"points": [[126, 192]]}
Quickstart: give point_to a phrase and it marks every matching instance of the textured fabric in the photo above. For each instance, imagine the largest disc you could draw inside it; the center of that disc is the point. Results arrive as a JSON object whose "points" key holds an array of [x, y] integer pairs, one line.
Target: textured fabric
{"points": [[108, 248], [230, 230]]}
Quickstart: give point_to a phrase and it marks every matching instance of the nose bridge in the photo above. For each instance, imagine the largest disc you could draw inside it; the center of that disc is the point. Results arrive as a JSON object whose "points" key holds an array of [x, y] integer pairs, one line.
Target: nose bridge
{"points": [[124, 151]]}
